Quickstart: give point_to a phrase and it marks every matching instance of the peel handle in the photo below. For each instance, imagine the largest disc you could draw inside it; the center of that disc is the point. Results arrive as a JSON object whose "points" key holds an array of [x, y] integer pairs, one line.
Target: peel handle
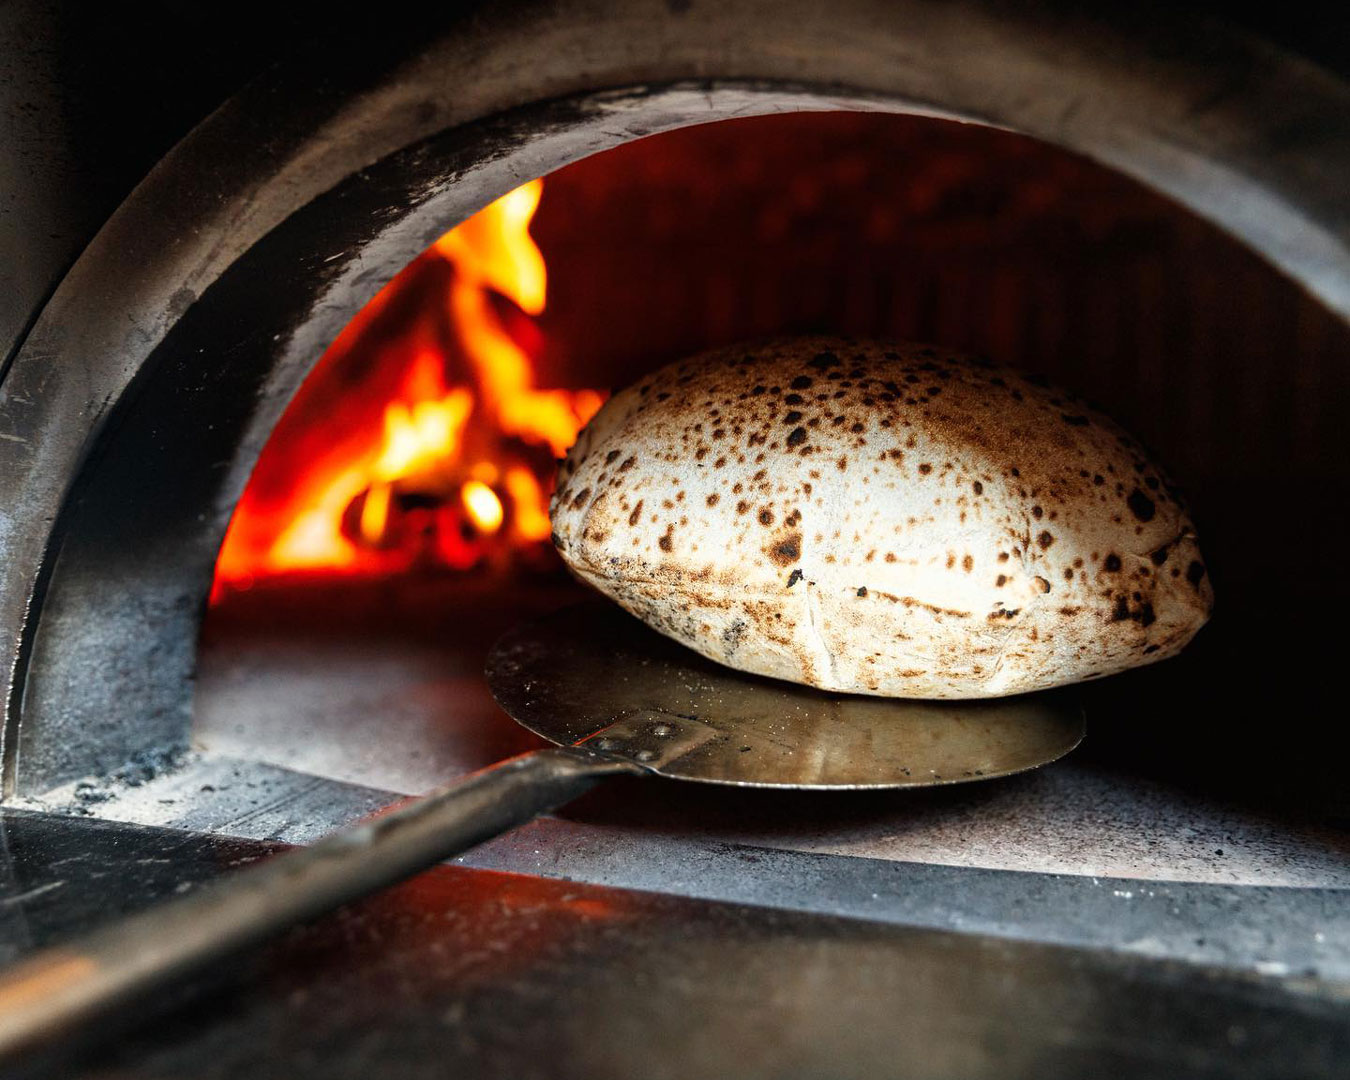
{"points": [[50, 994]]}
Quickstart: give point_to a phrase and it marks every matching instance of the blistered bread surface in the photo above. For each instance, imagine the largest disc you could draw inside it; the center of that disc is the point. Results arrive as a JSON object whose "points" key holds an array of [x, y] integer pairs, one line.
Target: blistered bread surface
{"points": [[880, 519]]}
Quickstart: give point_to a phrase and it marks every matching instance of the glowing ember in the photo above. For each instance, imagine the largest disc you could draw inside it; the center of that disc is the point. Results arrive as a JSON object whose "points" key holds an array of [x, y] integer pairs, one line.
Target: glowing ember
{"points": [[483, 506], [421, 438]]}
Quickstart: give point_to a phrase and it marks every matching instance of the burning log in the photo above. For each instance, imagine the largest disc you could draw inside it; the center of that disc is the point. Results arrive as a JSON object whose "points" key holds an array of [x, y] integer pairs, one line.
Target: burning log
{"points": [[421, 439]]}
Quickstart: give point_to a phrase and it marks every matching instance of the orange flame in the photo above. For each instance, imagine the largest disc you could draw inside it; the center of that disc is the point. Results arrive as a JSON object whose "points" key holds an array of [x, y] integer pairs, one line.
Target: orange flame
{"points": [[473, 458]]}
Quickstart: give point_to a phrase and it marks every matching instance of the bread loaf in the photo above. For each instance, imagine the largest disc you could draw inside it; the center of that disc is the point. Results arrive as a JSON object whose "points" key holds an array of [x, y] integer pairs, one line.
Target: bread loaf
{"points": [[880, 519]]}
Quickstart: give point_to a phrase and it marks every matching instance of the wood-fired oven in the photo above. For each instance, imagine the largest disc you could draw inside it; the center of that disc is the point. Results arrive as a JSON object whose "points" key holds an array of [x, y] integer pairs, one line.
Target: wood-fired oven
{"points": [[460, 230]]}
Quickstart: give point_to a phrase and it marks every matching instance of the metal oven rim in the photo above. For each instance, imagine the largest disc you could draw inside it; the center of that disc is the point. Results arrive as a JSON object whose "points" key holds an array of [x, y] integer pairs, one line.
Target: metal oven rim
{"points": [[146, 388]]}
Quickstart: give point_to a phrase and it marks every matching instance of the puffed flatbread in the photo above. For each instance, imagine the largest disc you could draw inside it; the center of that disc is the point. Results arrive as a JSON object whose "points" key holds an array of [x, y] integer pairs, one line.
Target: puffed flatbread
{"points": [[880, 519]]}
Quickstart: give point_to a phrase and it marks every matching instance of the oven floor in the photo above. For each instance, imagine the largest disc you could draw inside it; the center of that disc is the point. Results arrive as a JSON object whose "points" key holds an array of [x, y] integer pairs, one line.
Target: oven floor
{"points": [[465, 972], [406, 711]]}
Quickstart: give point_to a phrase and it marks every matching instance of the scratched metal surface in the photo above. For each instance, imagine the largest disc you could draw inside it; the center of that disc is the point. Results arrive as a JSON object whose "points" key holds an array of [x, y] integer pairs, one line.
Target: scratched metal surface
{"points": [[615, 838], [471, 972]]}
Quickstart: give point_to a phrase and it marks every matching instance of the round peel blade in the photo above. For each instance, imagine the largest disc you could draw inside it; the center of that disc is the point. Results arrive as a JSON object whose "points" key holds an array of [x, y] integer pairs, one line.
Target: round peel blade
{"points": [[593, 674]]}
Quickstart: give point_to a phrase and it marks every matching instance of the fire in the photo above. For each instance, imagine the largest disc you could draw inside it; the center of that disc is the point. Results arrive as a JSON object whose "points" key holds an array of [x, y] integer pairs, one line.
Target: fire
{"points": [[451, 465]]}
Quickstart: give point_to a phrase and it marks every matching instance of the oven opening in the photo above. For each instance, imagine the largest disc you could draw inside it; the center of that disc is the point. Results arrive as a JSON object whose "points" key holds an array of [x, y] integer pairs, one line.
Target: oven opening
{"points": [[397, 520]]}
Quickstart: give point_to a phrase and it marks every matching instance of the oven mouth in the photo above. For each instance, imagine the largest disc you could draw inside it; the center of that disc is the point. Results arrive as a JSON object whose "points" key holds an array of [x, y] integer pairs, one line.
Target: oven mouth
{"points": [[121, 591], [282, 667]]}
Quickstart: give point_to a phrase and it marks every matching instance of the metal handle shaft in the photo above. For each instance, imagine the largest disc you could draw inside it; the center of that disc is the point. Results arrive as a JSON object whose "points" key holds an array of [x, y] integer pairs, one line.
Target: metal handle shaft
{"points": [[55, 990]]}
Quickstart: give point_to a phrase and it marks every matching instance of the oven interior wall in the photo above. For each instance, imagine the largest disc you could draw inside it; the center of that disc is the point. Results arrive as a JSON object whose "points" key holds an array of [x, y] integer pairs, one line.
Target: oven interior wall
{"points": [[889, 226], [993, 242]]}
